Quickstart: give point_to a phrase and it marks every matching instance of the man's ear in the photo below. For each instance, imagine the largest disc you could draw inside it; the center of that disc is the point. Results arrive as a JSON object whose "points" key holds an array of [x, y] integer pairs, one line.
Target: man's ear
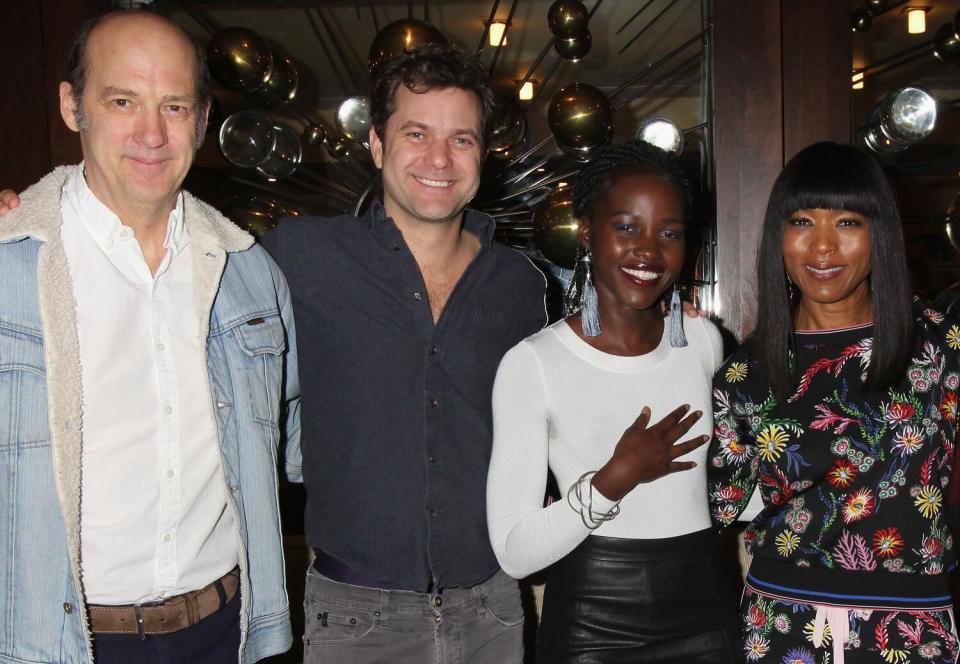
{"points": [[376, 148], [68, 106], [206, 116], [583, 233]]}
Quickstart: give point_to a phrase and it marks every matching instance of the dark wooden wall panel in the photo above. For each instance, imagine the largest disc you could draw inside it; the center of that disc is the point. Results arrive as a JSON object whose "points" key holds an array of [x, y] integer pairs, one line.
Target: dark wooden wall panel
{"points": [[24, 142], [61, 20], [781, 77], [33, 50], [817, 57], [748, 144]]}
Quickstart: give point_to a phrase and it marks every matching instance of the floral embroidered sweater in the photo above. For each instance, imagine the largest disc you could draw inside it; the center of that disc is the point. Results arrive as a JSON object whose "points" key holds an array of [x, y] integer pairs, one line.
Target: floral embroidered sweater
{"points": [[853, 484]]}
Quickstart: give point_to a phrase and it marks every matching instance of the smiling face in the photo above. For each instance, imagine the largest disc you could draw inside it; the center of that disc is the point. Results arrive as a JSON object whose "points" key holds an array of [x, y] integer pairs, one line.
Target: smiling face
{"points": [[635, 232], [826, 253], [430, 155], [138, 114]]}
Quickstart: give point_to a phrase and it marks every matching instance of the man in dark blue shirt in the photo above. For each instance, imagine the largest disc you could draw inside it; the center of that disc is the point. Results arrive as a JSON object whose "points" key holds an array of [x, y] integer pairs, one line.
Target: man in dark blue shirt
{"points": [[402, 318]]}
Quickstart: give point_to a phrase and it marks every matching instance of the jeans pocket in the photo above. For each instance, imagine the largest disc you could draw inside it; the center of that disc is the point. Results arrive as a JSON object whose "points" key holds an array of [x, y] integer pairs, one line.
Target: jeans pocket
{"points": [[503, 605], [328, 623]]}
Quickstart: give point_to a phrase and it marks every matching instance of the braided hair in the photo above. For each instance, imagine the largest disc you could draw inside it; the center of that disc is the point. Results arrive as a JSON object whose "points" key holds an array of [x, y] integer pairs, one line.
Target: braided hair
{"points": [[635, 157], [631, 158]]}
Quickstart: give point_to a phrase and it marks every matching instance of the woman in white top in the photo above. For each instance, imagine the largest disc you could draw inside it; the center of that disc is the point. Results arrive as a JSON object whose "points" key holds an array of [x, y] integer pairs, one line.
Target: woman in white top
{"points": [[616, 403]]}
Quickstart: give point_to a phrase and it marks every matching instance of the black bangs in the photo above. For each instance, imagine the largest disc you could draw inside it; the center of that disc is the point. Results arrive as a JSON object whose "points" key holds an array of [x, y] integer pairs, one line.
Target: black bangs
{"points": [[830, 177]]}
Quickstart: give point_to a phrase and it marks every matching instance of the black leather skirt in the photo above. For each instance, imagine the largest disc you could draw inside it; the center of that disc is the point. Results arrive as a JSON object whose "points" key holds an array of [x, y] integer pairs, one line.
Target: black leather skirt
{"points": [[614, 600]]}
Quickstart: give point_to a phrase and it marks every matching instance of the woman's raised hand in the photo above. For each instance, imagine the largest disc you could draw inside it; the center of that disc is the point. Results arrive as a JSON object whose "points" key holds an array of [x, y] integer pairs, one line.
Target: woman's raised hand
{"points": [[645, 453]]}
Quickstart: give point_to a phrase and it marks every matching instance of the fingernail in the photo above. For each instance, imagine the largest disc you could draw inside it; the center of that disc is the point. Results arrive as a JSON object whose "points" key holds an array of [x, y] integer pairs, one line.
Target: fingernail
{"points": [[704, 437], [698, 413]]}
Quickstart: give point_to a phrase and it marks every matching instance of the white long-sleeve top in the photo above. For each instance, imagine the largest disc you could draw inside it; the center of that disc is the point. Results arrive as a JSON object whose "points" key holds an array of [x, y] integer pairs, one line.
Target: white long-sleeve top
{"points": [[561, 404]]}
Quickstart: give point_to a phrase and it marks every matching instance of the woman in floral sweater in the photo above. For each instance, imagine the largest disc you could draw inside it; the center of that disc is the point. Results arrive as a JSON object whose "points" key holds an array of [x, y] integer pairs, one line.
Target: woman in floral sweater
{"points": [[842, 408]]}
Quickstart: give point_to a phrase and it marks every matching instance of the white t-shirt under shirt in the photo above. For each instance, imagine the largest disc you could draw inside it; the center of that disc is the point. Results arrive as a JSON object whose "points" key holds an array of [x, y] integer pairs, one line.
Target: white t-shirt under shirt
{"points": [[560, 402]]}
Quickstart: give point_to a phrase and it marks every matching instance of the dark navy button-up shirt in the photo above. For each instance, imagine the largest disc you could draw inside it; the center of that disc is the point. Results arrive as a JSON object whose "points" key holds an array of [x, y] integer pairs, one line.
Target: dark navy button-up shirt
{"points": [[396, 415]]}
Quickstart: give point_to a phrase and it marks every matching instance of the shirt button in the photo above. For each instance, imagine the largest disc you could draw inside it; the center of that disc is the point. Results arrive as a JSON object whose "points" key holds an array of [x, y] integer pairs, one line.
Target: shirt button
{"points": [[168, 410], [434, 350], [418, 296], [395, 247], [434, 403], [167, 537], [432, 459], [160, 347], [437, 600], [67, 607], [433, 514], [170, 474], [221, 404]]}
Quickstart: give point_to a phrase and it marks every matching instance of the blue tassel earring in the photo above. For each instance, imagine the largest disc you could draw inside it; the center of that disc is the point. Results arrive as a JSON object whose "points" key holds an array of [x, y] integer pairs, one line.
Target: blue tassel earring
{"points": [[589, 307], [677, 338]]}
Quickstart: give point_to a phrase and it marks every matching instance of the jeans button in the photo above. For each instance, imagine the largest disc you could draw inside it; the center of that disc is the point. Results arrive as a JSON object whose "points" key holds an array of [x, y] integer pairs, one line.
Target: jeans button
{"points": [[67, 607]]}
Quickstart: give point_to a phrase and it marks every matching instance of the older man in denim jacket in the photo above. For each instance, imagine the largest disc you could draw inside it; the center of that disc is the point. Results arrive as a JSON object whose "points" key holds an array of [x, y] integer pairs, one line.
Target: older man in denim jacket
{"points": [[147, 380]]}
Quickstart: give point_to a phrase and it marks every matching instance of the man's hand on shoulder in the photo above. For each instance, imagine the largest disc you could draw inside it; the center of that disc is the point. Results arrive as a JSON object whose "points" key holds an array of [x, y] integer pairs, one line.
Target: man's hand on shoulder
{"points": [[8, 200]]}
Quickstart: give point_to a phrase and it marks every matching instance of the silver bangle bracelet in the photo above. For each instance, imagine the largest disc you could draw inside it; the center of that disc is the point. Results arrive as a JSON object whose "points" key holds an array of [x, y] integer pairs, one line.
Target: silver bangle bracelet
{"points": [[584, 502]]}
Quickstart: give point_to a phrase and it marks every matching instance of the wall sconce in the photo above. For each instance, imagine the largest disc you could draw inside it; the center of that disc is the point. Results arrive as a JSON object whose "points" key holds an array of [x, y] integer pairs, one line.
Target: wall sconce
{"points": [[526, 91], [857, 80], [916, 20], [497, 30], [905, 116]]}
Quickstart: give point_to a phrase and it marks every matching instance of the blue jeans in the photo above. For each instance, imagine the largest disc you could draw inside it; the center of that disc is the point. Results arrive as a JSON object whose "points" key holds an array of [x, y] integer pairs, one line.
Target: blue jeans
{"points": [[356, 625]]}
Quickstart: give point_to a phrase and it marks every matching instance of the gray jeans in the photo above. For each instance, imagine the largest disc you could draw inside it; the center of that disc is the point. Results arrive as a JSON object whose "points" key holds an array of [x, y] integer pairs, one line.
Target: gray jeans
{"points": [[355, 625]]}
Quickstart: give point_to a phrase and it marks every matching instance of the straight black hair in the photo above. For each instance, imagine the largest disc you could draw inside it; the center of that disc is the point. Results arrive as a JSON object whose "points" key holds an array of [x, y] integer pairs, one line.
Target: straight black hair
{"points": [[830, 176]]}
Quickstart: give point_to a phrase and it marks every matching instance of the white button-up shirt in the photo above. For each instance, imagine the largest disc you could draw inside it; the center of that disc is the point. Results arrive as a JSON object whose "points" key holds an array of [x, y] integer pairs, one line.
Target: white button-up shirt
{"points": [[154, 519]]}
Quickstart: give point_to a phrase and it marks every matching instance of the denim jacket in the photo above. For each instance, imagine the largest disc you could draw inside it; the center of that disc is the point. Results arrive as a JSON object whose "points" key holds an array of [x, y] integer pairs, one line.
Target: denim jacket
{"points": [[246, 318]]}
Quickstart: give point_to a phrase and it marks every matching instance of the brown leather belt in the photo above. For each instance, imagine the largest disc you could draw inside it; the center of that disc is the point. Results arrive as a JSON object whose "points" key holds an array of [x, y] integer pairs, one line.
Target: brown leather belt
{"points": [[171, 615]]}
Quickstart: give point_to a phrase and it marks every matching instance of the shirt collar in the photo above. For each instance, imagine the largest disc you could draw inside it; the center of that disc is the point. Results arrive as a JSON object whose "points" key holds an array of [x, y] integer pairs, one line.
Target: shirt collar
{"points": [[479, 223], [105, 227]]}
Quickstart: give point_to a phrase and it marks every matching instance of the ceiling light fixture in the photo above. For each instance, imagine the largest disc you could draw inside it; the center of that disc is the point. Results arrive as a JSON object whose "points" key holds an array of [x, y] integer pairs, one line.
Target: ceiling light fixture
{"points": [[526, 91], [497, 30], [916, 20]]}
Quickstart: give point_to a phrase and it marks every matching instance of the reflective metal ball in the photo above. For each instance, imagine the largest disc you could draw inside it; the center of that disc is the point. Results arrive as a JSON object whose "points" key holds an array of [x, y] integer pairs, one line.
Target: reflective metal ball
{"points": [[402, 35], [946, 43], [661, 132], [861, 21], [281, 85], [285, 155], [580, 117], [314, 134], [574, 48], [239, 59], [246, 138], [567, 19], [254, 213], [353, 118], [555, 228]]}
